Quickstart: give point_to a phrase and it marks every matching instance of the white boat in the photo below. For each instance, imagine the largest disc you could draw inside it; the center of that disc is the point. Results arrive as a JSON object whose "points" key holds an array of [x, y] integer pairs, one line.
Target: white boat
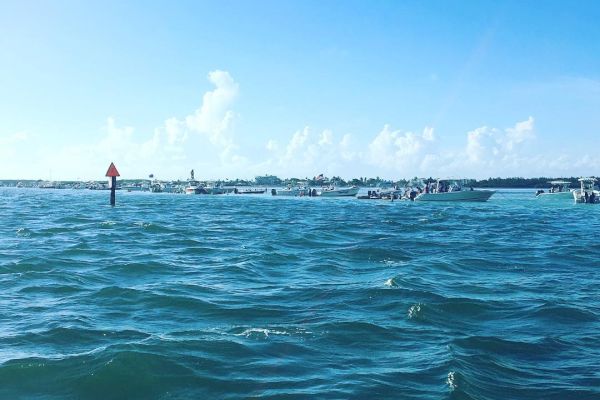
{"points": [[47, 185], [587, 193], [452, 190], [194, 187], [290, 191], [157, 186], [249, 191], [558, 190], [213, 189], [339, 192], [380, 194], [136, 187]]}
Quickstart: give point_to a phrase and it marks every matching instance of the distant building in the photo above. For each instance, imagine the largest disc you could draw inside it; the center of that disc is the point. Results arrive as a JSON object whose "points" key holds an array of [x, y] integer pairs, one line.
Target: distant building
{"points": [[267, 180]]}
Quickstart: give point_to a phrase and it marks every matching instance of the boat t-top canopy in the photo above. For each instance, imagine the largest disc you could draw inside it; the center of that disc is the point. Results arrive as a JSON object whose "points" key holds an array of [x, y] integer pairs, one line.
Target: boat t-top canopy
{"points": [[559, 182], [587, 179]]}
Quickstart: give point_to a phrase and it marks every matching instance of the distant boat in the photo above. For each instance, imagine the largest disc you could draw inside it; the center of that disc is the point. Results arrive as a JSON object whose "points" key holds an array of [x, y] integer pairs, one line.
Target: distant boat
{"points": [[157, 186], [587, 193], [339, 192], [47, 185], [193, 187], [558, 190], [136, 187], [249, 191], [452, 190], [213, 189], [289, 191]]}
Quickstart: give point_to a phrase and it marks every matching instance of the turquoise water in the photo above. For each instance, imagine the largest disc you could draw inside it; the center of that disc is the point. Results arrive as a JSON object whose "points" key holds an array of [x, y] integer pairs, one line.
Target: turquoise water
{"points": [[180, 297]]}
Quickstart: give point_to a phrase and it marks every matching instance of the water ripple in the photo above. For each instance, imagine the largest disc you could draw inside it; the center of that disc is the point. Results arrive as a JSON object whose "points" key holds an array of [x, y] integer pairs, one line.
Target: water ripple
{"points": [[172, 297]]}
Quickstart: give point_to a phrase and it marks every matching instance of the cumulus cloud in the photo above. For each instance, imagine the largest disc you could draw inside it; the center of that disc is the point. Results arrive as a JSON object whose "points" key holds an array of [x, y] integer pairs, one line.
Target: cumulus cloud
{"points": [[489, 148], [205, 140], [521, 132], [307, 153], [214, 117], [487, 151], [205, 136], [399, 150]]}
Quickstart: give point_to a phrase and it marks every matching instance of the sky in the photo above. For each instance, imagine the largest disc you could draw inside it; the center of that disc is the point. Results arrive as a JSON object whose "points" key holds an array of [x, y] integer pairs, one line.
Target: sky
{"points": [[236, 89]]}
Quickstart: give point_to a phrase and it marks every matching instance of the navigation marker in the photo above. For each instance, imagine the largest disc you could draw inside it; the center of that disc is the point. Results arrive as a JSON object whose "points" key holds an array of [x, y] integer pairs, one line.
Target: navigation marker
{"points": [[112, 173]]}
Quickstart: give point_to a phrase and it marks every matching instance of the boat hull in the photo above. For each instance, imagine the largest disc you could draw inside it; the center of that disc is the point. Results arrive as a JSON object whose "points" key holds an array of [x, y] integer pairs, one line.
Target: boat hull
{"points": [[348, 192], [214, 190], [292, 193], [463, 195], [579, 196], [555, 196], [251, 192], [193, 190]]}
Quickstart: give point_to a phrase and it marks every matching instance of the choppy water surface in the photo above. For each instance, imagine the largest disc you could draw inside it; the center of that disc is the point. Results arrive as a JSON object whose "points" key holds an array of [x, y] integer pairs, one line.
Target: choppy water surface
{"points": [[176, 297]]}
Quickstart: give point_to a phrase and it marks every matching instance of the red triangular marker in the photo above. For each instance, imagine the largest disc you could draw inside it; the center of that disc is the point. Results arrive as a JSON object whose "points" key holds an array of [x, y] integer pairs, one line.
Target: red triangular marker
{"points": [[112, 171]]}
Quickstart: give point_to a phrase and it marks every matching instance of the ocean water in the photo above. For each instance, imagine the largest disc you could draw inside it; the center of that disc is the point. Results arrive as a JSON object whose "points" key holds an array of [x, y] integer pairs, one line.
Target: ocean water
{"points": [[228, 297]]}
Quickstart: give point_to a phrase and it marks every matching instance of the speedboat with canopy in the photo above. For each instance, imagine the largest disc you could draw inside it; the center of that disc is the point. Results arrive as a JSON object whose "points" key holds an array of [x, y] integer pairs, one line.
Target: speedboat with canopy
{"points": [[339, 192], [558, 190], [452, 190], [587, 192]]}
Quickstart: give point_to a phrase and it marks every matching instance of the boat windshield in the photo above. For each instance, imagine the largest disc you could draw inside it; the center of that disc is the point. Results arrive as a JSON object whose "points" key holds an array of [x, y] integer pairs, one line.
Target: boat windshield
{"points": [[448, 185], [559, 186], [587, 183]]}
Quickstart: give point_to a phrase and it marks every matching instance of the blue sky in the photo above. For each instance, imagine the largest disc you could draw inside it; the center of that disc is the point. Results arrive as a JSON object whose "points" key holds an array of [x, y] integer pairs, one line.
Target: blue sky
{"points": [[349, 88]]}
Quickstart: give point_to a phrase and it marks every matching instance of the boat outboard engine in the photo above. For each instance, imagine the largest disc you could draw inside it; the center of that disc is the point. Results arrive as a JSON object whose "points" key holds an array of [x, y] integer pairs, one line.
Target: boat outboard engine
{"points": [[235, 191], [539, 192], [314, 193], [273, 192], [412, 195]]}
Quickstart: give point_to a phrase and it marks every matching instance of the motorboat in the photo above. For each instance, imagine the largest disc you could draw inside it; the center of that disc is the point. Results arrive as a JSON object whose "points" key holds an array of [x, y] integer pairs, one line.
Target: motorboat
{"points": [[380, 194], [157, 186], [291, 191], [558, 190], [339, 192], [47, 185], [451, 190], [136, 187], [193, 187], [213, 189], [587, 192], [249, 191]]}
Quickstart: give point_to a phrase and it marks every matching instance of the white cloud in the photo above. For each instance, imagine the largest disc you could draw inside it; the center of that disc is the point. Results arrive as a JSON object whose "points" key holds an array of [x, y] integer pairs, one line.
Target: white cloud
{"points": [[521, 132], [272, 145], [308, 154], [487, 151], [400, 151], [481, 145], [326, 138], [214, 117], [494, 151], [204, 138]]}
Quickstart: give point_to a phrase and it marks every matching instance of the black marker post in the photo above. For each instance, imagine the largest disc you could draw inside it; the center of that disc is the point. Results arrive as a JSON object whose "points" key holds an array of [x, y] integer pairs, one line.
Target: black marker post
{"points": [[112, 173]]}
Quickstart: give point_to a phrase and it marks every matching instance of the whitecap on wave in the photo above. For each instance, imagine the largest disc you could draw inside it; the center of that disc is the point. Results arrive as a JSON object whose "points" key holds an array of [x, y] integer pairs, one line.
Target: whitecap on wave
{"points": [[414, 311]]}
